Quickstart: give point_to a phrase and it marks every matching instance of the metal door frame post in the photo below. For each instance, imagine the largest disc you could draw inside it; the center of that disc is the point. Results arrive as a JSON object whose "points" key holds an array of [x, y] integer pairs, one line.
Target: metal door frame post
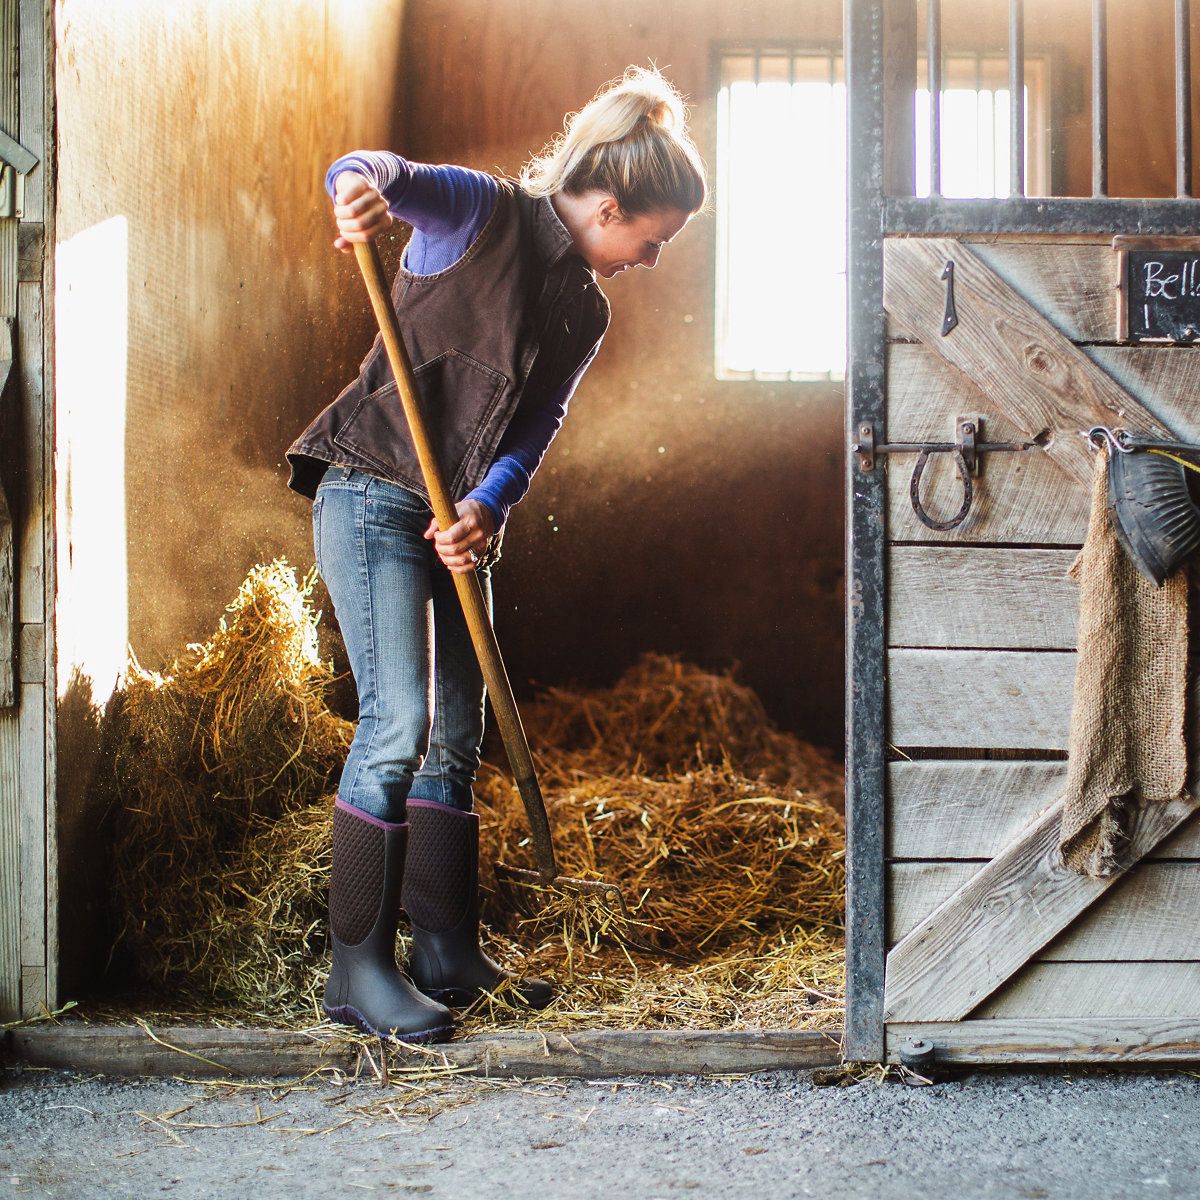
{"points": [[865, 539]]}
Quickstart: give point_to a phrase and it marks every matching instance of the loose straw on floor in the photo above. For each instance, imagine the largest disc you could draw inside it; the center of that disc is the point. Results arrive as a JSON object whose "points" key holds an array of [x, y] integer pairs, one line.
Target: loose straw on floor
{"points": [[724, 833]]}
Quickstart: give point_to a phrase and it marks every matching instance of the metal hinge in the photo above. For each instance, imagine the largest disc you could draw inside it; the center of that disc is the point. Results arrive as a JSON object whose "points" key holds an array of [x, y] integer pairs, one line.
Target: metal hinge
{"points": [[965, 451], [918, 1053], [15, 163]]}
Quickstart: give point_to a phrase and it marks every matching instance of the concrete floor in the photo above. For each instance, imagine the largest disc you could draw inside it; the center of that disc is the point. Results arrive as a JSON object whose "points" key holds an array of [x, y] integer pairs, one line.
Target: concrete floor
{"points": [[1054, 1133]]}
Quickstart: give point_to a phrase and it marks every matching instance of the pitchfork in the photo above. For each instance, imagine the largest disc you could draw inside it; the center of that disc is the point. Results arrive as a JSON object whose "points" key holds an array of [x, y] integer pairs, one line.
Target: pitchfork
{"points": [[470, 595]]}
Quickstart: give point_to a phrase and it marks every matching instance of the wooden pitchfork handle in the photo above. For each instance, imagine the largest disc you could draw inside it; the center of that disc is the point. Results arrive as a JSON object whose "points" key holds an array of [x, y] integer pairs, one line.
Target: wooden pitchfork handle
{"points": [[470, 594]]}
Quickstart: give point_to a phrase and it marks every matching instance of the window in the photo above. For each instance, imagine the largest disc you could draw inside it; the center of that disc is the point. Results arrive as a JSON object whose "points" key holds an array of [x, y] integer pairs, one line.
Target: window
{"points": [[975, 127], [781, 194], [781, 217]]}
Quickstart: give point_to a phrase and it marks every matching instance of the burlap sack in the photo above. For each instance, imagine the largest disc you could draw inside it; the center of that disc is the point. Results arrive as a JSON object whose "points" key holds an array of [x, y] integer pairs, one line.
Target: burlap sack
{"points": [[1127, 745]]}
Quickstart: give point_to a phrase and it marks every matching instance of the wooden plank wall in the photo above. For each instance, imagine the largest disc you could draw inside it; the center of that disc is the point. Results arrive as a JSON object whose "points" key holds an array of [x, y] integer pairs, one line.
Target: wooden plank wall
{"points": [[981, 634], [27, 886], [193, 143], [207, 126]]}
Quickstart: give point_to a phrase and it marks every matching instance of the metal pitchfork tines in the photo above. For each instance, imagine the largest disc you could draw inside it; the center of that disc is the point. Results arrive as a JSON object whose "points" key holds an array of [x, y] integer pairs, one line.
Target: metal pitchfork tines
{"points": [[546, 875], [470, 595]]}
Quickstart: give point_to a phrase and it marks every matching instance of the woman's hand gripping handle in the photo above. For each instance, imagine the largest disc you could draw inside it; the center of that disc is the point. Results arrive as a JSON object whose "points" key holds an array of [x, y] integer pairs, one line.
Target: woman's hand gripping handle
{"points": [[360, 210], [462, 545]]}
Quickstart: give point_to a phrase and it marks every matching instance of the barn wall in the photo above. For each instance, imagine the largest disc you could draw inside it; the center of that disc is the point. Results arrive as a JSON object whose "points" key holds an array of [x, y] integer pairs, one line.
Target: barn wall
{"points": [[673, 512], [204, 317], [205, 129], [685, 514]]}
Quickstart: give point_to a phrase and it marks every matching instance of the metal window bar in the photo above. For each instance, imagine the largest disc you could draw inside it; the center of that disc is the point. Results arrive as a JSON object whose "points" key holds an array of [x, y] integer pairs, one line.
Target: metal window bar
{"points": [[1099, 98], [1016, 97], [1098, 214], [1183, 98], [933, 56], [977, 84]]}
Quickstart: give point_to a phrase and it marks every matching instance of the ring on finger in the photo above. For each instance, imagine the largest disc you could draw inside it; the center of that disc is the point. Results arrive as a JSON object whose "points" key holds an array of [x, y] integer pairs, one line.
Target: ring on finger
{"points": [[473, 556]]}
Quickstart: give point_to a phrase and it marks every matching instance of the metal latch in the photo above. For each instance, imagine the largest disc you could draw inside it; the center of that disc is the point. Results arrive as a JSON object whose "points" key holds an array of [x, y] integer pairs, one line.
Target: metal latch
{"points": [[965, 452], [15, 163]]}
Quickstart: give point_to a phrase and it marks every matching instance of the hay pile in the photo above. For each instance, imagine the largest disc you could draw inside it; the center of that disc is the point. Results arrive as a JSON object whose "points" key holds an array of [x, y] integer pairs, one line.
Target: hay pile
{"points": [[663, 717], [723, 834], [214, 764]]}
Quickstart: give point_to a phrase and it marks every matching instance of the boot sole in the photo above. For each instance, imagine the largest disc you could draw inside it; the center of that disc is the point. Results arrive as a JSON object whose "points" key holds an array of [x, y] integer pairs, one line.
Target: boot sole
{"points": [[348, 1015]]}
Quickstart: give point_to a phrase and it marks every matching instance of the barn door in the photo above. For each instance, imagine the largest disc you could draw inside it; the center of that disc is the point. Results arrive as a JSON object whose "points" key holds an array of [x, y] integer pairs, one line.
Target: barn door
{"points": [[28, 914], [998, 318]]}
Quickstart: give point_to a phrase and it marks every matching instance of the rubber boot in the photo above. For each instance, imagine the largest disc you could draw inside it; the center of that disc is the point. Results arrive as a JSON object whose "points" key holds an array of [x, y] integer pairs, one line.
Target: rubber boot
{"points": [[441, 897], [365, 987]]}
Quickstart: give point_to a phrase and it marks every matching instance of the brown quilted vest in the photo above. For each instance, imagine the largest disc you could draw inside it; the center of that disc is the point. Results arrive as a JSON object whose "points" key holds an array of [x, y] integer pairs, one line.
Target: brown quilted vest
{"points": [[517, 314]]}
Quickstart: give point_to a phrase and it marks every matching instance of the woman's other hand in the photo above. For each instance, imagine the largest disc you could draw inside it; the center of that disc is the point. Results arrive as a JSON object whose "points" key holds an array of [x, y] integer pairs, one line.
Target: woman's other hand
{"points": [[360, 211], [468, 535]]}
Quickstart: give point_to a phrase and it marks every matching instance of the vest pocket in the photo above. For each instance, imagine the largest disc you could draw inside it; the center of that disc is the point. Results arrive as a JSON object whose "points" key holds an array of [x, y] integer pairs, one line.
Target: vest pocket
{"points": [[460, 399]]}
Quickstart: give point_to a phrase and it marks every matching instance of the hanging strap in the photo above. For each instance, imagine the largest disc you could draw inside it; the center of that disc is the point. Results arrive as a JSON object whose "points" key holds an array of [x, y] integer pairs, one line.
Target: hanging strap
{"points": [[1183, 462]]}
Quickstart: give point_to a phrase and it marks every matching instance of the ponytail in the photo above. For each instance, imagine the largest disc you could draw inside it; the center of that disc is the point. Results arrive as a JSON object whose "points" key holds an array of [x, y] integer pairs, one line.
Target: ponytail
{"points": [[630, 142]]}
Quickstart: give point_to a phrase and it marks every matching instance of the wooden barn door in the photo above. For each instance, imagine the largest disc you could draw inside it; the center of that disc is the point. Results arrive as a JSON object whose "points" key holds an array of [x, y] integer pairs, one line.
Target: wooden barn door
{"points": [[964, 929], [985, 927], [28, 907]]}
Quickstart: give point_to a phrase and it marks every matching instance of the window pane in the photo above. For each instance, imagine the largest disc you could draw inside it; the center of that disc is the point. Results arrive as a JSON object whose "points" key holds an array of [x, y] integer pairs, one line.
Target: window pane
{"points": [[783, 195]]}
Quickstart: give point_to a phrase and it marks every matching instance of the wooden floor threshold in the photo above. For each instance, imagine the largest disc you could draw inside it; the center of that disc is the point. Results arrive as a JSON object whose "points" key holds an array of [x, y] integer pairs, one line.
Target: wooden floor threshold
{"points": [[208, 1052], [1115, 1041]]}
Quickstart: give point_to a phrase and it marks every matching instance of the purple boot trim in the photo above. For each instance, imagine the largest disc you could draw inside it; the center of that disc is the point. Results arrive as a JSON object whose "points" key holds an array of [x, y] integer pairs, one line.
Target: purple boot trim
{"points": [[338, 802]]}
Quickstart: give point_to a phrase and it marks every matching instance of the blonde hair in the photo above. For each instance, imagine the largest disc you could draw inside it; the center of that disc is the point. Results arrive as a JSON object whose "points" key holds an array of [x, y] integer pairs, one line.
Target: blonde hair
{"points": [[629, 141]]}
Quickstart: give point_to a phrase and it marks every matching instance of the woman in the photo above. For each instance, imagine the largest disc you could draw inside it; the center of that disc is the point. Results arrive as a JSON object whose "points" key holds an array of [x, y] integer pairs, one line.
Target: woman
{"points": [[498, 303]]}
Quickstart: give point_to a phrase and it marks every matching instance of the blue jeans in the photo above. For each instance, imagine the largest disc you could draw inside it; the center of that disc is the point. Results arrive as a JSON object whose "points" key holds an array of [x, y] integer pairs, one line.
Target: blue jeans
{"points": [[420, 691]]}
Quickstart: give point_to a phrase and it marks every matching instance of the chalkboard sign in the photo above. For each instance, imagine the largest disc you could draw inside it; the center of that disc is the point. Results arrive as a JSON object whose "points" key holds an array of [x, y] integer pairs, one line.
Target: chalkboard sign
{"points": [[1159, 282]]}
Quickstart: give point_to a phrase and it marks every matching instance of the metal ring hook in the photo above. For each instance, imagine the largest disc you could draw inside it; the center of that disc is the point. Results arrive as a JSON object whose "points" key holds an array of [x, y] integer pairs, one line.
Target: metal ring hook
{"points": [[1100, 435], [914, 489]]}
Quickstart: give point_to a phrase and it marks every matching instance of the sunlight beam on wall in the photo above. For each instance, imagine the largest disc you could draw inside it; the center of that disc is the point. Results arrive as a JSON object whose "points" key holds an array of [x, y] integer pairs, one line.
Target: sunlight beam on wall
{"points": [[91, 352]]}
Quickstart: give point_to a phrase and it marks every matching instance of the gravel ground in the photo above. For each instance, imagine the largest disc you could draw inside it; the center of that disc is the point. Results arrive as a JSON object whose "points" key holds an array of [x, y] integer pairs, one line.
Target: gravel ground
{"points": [[1049, 1133]]}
